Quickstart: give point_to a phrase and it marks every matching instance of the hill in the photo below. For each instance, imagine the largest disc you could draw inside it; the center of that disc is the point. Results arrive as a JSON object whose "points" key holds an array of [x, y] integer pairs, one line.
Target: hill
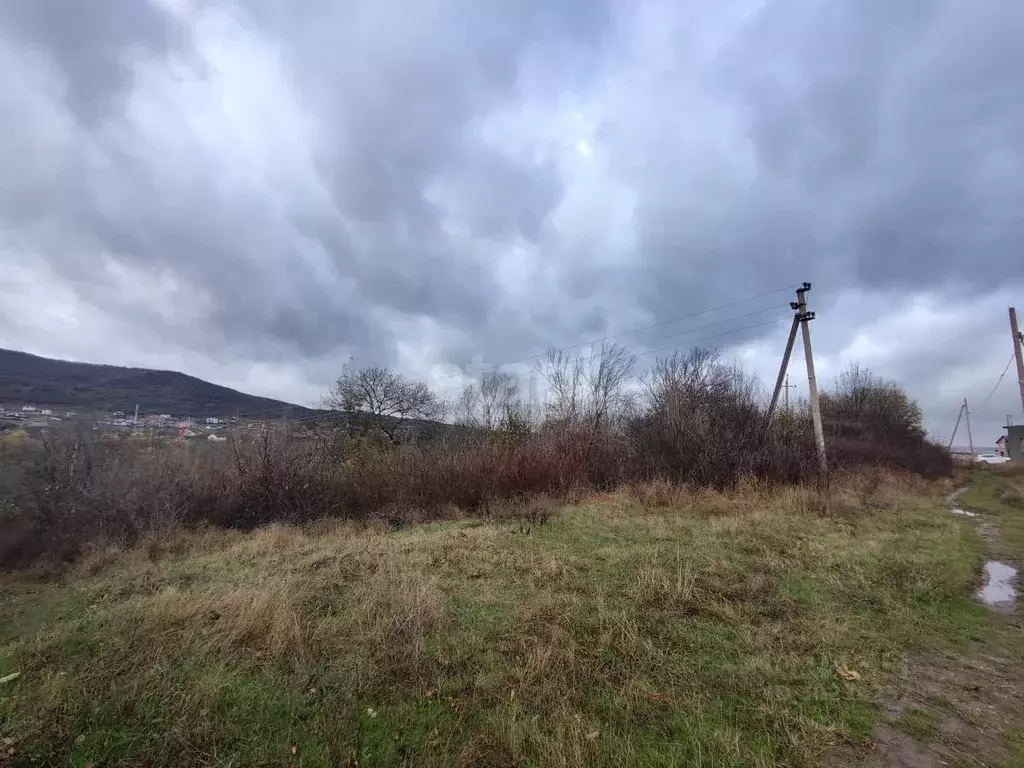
{"points": [[26, 378]]}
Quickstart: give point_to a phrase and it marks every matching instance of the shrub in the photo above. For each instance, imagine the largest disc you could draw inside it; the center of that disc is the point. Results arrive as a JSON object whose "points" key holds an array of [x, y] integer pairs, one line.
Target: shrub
{"points": [[698, 421]]}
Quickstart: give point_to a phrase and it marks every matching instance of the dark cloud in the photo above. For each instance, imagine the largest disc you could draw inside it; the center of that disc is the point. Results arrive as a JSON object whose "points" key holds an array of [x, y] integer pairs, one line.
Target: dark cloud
{"points": [[414, 183], [901, 124], [95, 44]]}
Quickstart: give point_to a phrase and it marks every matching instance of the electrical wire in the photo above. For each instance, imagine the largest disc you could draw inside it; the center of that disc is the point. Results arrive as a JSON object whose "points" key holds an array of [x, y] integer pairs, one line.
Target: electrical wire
{"points": [[776, 321], [338, 414], [684, 332], [633, 330], [998, 382], [315, 417]]}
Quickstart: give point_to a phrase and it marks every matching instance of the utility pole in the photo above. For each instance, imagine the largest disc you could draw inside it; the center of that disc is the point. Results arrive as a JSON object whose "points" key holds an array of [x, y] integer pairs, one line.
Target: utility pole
{"points": [[967, 418], [804, 318], [959, 415], [788, 387], [783, 368], [1018, 340], [136, 420]]}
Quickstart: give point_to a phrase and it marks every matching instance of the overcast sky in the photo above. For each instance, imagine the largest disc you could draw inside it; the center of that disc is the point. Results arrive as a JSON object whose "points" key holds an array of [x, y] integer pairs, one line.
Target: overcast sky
{"points": [[254, 191]]}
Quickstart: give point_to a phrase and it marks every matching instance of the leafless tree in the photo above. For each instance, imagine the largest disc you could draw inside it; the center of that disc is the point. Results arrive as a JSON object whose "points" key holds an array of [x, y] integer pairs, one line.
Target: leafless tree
{"points": [[588, 389], [862, 404], [565, 375], [380, 398], [466, 408], [682, 379], [609, 370], [700, 418], [494, 403]]}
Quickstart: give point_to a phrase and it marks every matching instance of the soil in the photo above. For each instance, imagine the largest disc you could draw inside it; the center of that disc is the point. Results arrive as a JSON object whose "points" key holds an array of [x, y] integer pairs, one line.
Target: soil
{"points": [[971, 701]]}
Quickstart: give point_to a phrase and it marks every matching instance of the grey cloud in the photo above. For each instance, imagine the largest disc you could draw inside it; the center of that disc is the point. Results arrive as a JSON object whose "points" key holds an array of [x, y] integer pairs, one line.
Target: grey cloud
{"points": [[94, 43], [396, 122], [901, 122], [857, 144]]}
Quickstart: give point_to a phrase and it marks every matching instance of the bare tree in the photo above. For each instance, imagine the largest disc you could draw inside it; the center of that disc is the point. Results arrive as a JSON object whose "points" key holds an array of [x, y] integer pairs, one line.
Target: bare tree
{"points": [[381, 398], [565, 376], [862, 404], [466, 408], [610, 369], [682, 380], [494, 403], [700, 418], [588, 389]]}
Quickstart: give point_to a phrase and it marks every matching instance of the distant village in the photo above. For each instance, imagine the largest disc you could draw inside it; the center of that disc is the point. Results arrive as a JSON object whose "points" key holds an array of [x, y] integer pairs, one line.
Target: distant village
{"points": [[40, 419]]}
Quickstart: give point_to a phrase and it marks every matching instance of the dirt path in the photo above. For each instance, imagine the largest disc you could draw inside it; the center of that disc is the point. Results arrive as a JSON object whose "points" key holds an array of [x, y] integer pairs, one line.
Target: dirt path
{"points": [[963, 709]]}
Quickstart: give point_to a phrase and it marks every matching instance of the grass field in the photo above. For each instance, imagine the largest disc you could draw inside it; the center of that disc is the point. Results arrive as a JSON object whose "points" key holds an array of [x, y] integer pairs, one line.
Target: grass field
{"points": [[1000, 495], [648, 628]]}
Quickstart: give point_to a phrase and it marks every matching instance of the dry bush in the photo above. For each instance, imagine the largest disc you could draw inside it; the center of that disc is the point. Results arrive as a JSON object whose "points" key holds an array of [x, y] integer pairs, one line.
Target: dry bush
{"points": [[74, 492], [1013, 469], [76, 488], [699, 424], [1012, 493], [472, 474]]}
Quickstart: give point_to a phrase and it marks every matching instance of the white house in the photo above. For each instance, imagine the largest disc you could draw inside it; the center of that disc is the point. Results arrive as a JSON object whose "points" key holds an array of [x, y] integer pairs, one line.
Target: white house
{"points": [[30, 408], [47, 412], [212, 420]]}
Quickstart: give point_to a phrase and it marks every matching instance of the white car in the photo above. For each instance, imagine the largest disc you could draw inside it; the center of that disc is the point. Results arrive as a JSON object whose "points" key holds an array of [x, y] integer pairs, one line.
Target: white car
{"points": [[991, 458]]}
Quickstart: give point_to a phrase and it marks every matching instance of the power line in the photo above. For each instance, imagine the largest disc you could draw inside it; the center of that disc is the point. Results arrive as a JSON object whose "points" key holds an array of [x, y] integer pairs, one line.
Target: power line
{"points": [[683, 333], [705, 338], [687, 331], [998, 382], [701, 327], [775, 321], [608, 338], [633, 330]]}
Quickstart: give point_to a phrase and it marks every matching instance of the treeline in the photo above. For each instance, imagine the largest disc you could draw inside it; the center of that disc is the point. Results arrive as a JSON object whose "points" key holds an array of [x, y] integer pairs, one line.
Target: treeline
{"points": [[691, 418]]}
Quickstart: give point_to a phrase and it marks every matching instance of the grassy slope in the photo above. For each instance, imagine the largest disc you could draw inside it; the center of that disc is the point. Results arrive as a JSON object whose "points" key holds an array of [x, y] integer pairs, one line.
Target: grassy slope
{"points": [[704, 632], [999, 494]]}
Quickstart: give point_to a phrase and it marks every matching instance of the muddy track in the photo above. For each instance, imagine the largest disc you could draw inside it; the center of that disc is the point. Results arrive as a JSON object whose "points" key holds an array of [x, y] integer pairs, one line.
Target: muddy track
{"points": [[968, 702]]}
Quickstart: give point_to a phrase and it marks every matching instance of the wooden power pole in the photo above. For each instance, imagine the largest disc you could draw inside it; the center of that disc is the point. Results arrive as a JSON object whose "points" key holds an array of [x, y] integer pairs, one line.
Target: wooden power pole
{"points": [[783, 368], [967, 418], [1018, 340], [804, 318], [959, 415]]}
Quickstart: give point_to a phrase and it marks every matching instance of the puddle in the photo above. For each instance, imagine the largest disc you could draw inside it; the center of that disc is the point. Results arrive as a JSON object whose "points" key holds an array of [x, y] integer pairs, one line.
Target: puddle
{"points": [[964, 512], [952, 497], [999, 589]]}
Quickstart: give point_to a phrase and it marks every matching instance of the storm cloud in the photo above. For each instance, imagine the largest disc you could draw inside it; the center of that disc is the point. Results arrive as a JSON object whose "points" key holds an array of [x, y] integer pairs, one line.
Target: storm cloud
{"points": [[255, 192]]}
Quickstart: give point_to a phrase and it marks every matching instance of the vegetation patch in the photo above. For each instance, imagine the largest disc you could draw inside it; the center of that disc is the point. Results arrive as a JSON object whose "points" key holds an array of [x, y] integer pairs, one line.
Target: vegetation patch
{"points": [[644, 627]]}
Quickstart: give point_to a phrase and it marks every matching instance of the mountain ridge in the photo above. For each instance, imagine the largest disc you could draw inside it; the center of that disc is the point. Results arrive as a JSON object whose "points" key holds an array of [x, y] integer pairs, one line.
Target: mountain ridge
{"points": [[33, 379]]}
